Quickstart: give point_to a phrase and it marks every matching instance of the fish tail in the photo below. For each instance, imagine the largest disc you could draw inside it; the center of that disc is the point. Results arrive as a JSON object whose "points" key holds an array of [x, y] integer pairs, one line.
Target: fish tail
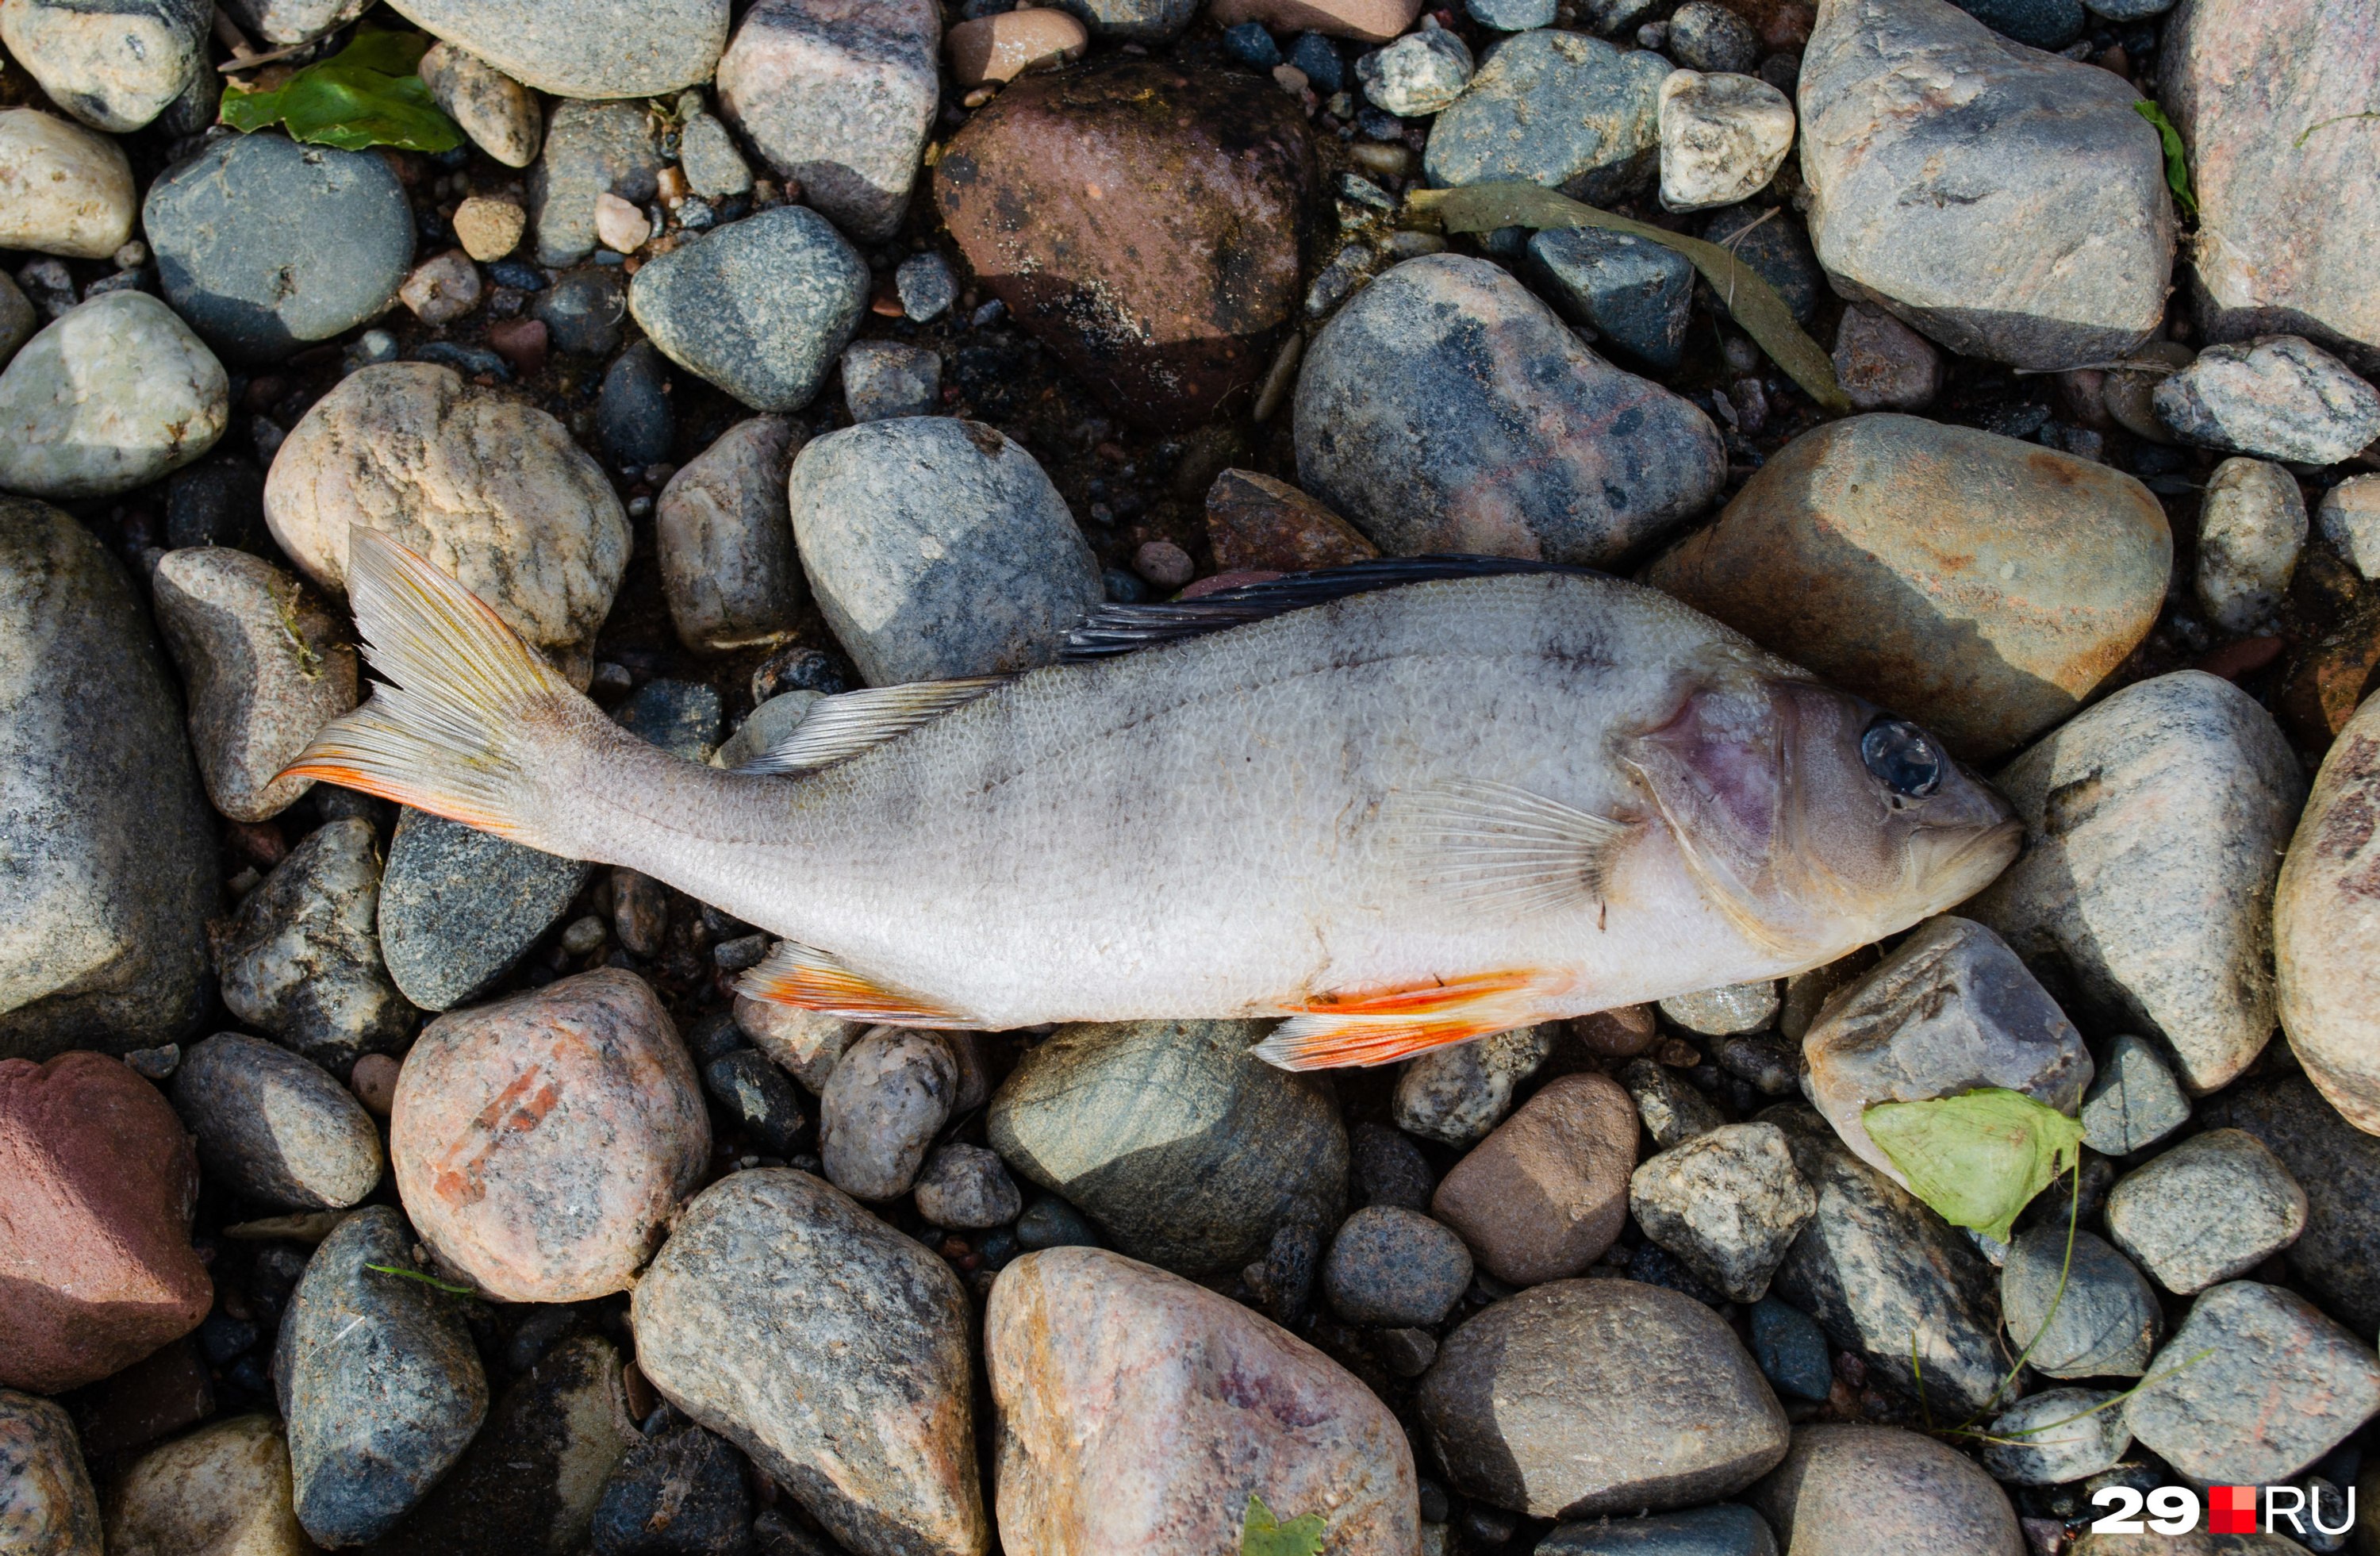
{"points": [[471, 716]]}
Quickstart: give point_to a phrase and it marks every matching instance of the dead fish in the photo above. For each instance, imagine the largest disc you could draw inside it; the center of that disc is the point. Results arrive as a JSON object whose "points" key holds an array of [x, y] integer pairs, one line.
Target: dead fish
{"points": [[1398, 816]]}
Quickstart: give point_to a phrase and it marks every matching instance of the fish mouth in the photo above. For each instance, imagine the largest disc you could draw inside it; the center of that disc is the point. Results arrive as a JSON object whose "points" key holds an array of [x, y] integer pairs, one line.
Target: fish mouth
{"points": [[2003, 840]]}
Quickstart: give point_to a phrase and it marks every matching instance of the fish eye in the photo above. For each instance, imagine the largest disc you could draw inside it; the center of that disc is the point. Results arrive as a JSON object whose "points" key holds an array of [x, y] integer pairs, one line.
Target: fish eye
{"points": [[1902, 756]]}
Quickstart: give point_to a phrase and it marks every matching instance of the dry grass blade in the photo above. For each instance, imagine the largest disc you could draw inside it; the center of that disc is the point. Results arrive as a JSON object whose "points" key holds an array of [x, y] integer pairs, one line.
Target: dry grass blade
{"points": [[1754, 303]]}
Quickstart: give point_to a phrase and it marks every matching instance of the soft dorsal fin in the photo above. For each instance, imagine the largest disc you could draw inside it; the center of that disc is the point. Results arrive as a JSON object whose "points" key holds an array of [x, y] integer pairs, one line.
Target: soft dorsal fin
{"points": [[841, 727], [1494, 845], [1121, 629]]}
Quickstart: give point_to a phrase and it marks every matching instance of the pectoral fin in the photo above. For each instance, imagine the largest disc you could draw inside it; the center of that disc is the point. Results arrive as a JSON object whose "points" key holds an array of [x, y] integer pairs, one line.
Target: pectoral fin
{"points": [[1493, 845], [807, 978], [1378, 1026]]}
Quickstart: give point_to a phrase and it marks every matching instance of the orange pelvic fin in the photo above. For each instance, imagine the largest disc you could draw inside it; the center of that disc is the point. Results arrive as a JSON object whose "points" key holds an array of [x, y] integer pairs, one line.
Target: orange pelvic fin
{"points": [[1378, 1026], [807, 978]]}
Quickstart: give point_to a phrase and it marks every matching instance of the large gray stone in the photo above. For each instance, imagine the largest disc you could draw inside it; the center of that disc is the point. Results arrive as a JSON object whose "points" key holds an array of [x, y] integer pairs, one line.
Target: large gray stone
{"points": [[596, 48], [761, 307], [2338, 1166], [47, 1507], [2256, 1384], [1554, 108], [2279, 396], [108, 869], [2215, 1206], [938, 548], [302, 958], [1445, 409], [112, 395], [266, 246], [114, 66], [591, 149], [275, 1126], [1729, 1203], [459, 906], [1187, 1150], [1580, 1397], [2079, 1313], [1861, 1490], [829, 1347], [2008, 203], [2155, 824], [726, 539]]}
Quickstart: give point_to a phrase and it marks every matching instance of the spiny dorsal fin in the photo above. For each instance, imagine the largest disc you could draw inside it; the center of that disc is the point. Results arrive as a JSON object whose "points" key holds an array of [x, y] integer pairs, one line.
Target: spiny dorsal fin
{"points": [[841, 727], [1121, 629], [1495, 846]]}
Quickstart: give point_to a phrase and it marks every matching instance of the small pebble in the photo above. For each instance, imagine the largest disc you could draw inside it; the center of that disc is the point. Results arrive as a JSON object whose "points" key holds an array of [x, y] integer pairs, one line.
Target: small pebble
{"points": [[488, 229], [620, 224], [441, 290], [1163, 564], [373, 1080], [1395, 1268], [1419, 74], [966, 1186]]}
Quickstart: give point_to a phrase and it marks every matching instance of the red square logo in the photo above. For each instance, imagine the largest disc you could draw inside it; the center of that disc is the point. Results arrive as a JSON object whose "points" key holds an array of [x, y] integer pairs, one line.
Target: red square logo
{"points": [[2231, 1510]]}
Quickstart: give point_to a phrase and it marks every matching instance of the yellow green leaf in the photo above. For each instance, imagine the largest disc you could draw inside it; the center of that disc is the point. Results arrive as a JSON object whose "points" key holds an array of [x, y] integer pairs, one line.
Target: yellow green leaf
{"points": [[2176, 166], [1753, 301], [364, 95], [1260, 1536], [1977, 1158]]}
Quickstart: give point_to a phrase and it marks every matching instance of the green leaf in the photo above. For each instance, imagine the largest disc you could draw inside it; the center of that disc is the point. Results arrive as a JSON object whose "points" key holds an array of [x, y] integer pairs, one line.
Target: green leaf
{"points": [[364, 95], [1977, 1158], [1753, 301], [1260, 1536], [446, 1286], [2176, 166]]}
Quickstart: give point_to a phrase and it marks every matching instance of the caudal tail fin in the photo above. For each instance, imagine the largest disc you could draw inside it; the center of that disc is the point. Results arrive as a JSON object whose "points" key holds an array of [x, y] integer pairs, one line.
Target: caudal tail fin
{"points": [[470, 713]]}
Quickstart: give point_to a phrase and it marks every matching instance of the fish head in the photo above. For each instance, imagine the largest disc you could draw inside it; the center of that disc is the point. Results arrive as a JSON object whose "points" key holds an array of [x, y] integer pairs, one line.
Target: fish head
{"points": [[1816, 820]]}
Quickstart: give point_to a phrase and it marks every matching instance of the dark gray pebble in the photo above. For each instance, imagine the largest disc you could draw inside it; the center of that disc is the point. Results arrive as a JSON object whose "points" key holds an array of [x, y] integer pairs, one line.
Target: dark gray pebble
{"points": [[1726, 1529], [1395, 1268], [459, 906], [1791, 1349], [632, 416], [584, 311], [680, 1494], [1388, 1168], [758, 1098], [1636, 294], [276, 1128]]}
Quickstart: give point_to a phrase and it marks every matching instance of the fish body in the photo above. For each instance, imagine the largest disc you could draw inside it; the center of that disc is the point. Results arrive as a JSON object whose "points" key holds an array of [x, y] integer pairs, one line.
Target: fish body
{"points": [[1399, 818]]}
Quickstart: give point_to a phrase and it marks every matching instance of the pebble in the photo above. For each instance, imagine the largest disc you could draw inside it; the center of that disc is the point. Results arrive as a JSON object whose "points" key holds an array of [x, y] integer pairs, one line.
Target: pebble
{"points": [[302, 959], [542, 1142], [591, 150], [2348, 517], [760, 308], [1458, 1093], [838, 96], [635, 424], [266, 246], [1581, 1397], [1778, 250], [829, 1347], [1791, 1350], [2154, 827], [1875, 1268], [803, 1043], [441, 290], [1555, 108], [1254, 521], [493, 491], [2282, 1386], [926, 286], [998, 49], [1388, 1168], [2058, 567], [681, 1491], [1707, 36], [216, 502], [966, 1186], [1637, 295], [725, 539], [459, 906], [116, 74], [887, 377], [2279, 396], [1160, 283], [63, 188], [1395, 1269], [583, 311], [373, 1080], [1446, 410], [47, 1507], [1190, 1152], [2105, 1322], [2243, 81], [2046, 244], [1672, 1110], [104, 835], [378, 1379], [1163, 564], [1369, 22], [938, 548], [713, 164], [1139, 1412], [620, 226], [1861, 1490], [769, 725], [222, 1490], [1546, 1193], [1728, 1202], [2134, 1101], [1050, 1223], [1417, 75], [113, 395], [1726, 1010], [265, 666], [603, 48], [2215, 1206], [501, 116], [2063, 1435], [880, 1112], [276, 1128], [1723, 138], [2338, 1166], [1883, 364], [1951, 1010]]}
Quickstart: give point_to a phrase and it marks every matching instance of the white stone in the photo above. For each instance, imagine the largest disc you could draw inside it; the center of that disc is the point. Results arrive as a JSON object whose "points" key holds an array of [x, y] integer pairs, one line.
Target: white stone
{"points": [[2056, 1436], [2349, 520], [2249, 531], [1419, 74], [620, 224], [115, 65], [501, 116], [63, 189], [114, 395], [1723, 138]]}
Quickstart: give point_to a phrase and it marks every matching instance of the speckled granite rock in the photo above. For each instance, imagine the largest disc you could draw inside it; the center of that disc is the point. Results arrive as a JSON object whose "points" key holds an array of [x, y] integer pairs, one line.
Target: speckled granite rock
{"points": [[46, 1505], [114, 395], [762, 307], [275, 1126], [301, 959], [222, 1490]]}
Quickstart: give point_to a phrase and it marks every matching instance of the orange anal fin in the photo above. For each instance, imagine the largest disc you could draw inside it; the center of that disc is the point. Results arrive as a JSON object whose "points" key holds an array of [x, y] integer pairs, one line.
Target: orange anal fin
{"points": [[1379, 1026], [798, 975]]}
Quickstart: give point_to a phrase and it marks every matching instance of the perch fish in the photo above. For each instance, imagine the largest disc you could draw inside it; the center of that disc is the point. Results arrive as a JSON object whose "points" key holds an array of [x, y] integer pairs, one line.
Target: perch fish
{"points": [[1399, 805]]}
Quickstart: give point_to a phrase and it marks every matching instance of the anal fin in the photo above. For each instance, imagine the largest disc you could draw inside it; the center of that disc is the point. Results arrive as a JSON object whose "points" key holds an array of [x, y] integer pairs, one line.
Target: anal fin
{"points": [[807, 978], [1379, 1026]]}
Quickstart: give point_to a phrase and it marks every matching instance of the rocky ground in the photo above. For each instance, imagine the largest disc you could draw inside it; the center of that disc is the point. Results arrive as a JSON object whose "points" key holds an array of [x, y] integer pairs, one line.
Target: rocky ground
{"points": [[365, 1181]]}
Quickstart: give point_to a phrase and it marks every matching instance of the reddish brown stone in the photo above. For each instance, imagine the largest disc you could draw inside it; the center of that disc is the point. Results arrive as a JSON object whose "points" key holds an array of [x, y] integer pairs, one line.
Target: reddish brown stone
{"points": [[1254, 521], [2328, 681], [1546, 1194], [97, 1183], [1617, 1034], [1146, 223]]}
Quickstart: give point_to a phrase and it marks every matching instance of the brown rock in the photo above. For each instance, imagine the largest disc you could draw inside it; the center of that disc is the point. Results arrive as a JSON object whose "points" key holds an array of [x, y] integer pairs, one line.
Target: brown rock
{"points": [[1586, 1397], [1883, 364], [1981, 586], [96, 1269], [2331, 678], [542, 1141], [1001, 47], [1621, 1033], [1254, 521], [46, 1505], [1546, 1194], [1138, 1412], [1146, 221], [1858, 1490], [1370, 21]]}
